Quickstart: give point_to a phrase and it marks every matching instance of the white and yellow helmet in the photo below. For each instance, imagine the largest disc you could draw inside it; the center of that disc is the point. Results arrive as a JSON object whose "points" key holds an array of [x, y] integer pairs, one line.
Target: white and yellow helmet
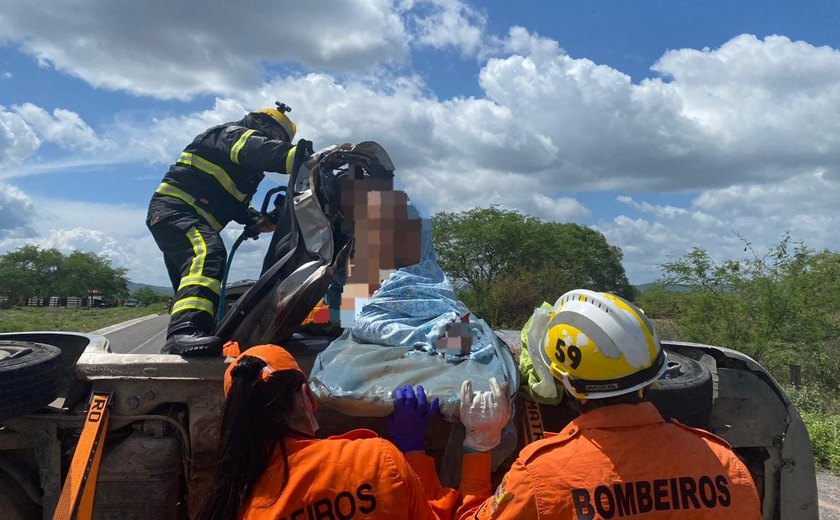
{"points": [[600, 345]]}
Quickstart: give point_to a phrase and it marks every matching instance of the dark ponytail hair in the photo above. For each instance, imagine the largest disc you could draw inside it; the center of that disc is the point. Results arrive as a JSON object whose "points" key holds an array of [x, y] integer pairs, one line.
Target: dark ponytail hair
{"points": [[254, 423]]}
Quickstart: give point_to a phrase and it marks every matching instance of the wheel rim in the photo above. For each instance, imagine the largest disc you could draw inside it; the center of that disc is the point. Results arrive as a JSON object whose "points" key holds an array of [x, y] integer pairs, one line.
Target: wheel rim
{"points": [[9, 352]]}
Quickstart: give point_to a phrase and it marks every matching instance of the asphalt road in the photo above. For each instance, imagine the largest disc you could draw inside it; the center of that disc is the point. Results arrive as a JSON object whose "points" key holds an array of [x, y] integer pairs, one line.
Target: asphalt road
{"points": [[141, 336], [147, 335]]}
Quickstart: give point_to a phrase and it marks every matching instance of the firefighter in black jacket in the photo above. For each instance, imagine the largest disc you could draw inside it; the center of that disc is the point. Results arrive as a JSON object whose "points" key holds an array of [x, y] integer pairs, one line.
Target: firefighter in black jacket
{"points": [[211, 184]]}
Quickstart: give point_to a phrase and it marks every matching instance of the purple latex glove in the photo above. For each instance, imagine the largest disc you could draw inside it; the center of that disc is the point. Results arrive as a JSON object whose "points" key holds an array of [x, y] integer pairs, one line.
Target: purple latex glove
{"points": [[412, 412]]}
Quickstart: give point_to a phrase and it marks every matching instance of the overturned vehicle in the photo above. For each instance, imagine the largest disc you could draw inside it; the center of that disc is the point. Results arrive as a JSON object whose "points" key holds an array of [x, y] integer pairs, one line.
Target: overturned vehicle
{"points": [[400, 324]]}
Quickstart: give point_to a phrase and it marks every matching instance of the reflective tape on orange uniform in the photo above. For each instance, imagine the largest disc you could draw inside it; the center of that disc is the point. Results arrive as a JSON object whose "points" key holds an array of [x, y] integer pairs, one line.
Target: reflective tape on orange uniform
{"points": [[622, 461]]}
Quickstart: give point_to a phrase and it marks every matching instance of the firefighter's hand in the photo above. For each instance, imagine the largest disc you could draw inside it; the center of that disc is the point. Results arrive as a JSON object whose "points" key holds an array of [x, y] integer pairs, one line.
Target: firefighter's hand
{"points": [[262, 224], [484, 414], [412, 413], [303, 151]]}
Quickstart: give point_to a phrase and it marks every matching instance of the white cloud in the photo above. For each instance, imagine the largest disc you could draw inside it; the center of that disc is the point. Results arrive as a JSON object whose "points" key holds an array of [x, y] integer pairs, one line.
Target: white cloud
{"points": [[570, 123], [803, 205], [26, 127], [753, 127], [115, 231], [552, 123], [522, 42], [701, 126], [647, 243], [16, 212], [767, 106], [659, 211], [112, 230], [17, 140], [326, 111], [62, 127], [560, 209], [450, 23], [418, 132], [179, 49]]}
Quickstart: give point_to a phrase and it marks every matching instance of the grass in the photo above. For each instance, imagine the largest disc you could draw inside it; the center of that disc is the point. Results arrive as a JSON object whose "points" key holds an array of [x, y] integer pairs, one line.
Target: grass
{"points": [[820, 412], [22, 319], [667, 329], [824, 431]]}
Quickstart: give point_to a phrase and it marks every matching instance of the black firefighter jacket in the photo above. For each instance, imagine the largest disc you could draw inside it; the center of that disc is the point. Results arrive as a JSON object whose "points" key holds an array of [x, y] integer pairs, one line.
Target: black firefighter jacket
{"points": [[219, 172]]}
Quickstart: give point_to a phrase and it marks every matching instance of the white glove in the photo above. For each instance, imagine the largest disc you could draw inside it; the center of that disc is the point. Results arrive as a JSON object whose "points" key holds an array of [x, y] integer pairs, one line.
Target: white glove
{"points": [[484, 414]]}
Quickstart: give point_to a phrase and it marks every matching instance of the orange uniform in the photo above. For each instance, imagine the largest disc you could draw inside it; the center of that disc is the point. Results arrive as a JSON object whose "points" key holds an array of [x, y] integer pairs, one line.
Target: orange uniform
{"points": [[623, 461], [356, 475]]}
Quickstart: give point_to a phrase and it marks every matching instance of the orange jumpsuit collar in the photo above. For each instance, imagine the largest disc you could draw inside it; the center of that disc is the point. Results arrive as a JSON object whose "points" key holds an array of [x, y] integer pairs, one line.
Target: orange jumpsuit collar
{"points": [[615, 416]]}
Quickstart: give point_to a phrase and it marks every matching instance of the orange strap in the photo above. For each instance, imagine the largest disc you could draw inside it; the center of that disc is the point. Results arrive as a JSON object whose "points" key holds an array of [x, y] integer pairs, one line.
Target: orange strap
{"points": [[76, 499]]}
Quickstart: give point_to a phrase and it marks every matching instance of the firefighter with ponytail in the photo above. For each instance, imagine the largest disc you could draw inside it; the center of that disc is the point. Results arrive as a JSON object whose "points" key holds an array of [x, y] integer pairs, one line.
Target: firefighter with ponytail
{"points": [[271, 466]]}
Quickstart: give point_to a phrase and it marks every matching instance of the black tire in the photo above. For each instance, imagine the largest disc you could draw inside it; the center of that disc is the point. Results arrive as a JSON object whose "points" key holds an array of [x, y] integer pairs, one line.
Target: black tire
{"points": [[30, 376], [684, 392]]}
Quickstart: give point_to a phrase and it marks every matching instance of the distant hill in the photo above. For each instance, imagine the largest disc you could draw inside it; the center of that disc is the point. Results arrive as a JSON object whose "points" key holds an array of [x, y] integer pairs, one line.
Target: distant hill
{"points": [[644, 287], [157, 288]]}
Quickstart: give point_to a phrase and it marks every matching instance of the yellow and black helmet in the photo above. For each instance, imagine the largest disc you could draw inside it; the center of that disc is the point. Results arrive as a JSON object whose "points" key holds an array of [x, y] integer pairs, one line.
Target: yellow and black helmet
{"points": [[278, 114]]}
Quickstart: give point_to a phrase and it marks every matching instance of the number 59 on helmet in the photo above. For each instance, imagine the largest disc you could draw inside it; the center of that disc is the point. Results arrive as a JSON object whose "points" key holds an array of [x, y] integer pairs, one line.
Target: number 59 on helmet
{"points": [[600, 345]]}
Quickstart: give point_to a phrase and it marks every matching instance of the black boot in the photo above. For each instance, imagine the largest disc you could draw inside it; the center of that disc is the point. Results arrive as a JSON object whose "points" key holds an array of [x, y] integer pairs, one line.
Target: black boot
{"points": [[193, 343]]}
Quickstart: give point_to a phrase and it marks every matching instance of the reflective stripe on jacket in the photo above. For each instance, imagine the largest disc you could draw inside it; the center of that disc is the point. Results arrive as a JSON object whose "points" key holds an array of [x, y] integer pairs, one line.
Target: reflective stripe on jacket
{"points": [[623, 461], [219, 172], [356, 475]]}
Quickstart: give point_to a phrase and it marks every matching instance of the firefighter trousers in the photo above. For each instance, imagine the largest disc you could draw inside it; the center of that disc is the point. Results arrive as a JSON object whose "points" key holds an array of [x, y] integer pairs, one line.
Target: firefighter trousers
{"points": [[195, 256]]}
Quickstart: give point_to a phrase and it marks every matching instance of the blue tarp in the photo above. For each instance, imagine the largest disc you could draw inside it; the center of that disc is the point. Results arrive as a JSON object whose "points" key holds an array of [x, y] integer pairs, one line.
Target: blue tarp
{"points": [[410, 308], [393, 343], [413, 304]]}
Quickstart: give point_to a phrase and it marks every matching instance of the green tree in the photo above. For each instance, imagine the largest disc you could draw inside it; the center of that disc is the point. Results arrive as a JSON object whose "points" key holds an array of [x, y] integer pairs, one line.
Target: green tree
{"points": [[83, 272], [778, 306], [32, 271], [476, 247], [148, 296], [503, 263], [585, 258]]}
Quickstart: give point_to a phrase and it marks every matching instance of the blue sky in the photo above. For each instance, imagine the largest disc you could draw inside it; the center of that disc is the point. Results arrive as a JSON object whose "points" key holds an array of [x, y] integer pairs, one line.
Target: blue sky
{"points": [[665, 125]]}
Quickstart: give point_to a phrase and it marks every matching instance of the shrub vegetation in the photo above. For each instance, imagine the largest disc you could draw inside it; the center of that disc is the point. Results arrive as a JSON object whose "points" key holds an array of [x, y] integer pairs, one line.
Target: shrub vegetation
{"points": [[779, 306]]}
